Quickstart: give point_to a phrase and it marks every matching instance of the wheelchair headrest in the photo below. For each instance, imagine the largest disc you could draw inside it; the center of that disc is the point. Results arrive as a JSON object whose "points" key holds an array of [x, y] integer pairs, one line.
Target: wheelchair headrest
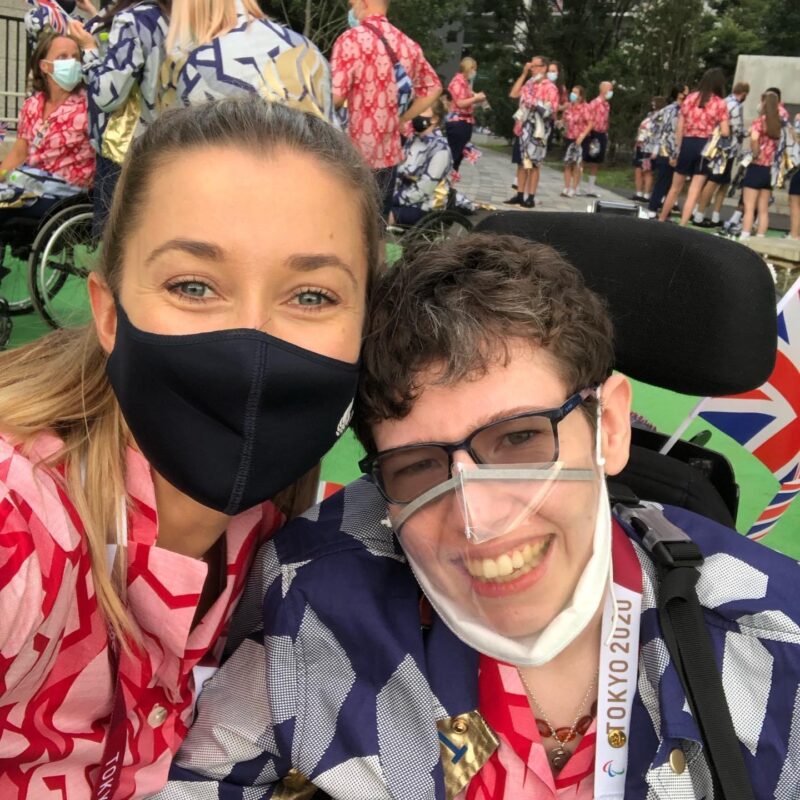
{"points": [[692, 312]]}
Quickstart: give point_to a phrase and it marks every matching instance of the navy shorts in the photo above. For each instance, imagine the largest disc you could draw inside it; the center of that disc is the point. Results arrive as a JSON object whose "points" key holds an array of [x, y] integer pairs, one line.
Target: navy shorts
{"points": [[690, 159], [757, 177], [640, 156], [794, 184], [407, 215], [591, 153], [725, 178]]}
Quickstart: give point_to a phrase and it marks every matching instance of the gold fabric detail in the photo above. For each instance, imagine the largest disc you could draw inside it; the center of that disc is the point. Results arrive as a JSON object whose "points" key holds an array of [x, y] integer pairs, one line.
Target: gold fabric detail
{"points": [[170, 69], [677, 761], [295, 77], [441, 196], [121, 127], [466, 743], [294, 786]]}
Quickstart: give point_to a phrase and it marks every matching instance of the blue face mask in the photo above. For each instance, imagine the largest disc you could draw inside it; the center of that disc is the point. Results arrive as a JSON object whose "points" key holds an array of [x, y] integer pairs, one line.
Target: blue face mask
{"points": [[609, 95], [553, 76], [67, 73], [352, 19]]}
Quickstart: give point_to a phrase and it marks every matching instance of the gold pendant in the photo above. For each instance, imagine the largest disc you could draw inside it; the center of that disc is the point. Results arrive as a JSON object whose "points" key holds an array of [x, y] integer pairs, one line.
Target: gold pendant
{"points": [[558, 758]]}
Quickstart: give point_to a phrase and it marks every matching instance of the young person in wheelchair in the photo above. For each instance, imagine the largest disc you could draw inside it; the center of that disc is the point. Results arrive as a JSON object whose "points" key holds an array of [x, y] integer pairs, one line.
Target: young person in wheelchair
{"points": [[472, 620], [423, 177]]}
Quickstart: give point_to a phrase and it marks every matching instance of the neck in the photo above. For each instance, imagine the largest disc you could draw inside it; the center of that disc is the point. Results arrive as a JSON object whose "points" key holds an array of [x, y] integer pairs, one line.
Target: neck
{"points": [[185, 526], [56, 95]]}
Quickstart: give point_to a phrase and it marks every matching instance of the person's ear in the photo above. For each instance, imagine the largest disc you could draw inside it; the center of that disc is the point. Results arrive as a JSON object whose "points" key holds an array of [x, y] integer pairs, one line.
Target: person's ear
{"points": [[104, 311], [615, 429]]}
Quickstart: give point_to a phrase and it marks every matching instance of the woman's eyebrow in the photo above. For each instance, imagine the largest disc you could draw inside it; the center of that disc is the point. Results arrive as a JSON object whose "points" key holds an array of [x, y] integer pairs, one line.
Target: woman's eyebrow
{"points": [[307, 262], [194, 247]]}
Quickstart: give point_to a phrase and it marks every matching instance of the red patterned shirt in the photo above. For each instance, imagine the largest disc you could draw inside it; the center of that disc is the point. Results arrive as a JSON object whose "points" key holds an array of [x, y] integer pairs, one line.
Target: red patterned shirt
{"points": [[519, 769], [576, 117], [363, 73], [543, 92], [766, 147], [59, 144], [700, 122], [600, 110], [56, 686], [460, 89]]}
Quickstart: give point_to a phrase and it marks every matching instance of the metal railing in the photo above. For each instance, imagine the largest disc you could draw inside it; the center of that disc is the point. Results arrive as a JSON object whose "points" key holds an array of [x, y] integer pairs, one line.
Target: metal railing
{"points": [[14, 57]]}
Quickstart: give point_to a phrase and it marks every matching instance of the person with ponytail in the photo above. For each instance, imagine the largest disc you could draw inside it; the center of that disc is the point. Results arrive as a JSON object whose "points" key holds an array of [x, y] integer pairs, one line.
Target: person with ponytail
{"points": [[765, 133], [145, 457]]}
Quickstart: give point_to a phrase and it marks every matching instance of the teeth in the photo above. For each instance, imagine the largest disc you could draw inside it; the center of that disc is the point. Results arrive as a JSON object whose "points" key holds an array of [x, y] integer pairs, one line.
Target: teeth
{"points": [[510, 565]]}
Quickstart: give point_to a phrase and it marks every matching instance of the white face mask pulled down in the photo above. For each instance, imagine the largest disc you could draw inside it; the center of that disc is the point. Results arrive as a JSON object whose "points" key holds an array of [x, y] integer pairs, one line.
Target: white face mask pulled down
{"points": [[475, 580]]}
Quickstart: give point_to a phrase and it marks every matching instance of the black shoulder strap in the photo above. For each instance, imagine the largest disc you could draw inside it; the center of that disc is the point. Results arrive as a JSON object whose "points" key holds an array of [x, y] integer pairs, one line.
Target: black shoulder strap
{"points": [[386, 44], [677, 557]]}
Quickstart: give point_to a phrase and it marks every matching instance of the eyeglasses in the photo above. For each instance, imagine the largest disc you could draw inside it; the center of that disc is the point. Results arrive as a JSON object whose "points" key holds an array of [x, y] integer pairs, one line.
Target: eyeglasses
{"points": [[402, 474]]}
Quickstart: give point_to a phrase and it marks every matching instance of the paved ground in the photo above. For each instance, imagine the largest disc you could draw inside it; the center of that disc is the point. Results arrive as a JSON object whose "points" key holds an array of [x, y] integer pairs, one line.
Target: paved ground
{"points": [[489, 181]]}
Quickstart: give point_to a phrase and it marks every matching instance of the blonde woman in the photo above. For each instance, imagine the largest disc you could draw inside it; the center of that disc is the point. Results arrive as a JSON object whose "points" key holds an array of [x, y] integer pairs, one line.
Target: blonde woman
{"points": [[462, 109], [225, 48], [144, 459]]}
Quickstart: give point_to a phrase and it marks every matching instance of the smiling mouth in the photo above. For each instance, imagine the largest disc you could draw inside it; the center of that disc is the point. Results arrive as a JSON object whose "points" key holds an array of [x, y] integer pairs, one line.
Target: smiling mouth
{"points": [[511, 565]]}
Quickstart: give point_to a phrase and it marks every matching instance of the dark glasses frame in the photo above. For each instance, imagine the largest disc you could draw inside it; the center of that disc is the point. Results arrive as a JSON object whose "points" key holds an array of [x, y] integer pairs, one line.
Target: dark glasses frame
{"points": [[370, 464]]}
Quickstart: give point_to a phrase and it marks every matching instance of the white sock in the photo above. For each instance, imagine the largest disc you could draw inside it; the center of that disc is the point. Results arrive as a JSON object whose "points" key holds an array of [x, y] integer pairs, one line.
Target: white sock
{"points": [[592, 180], [646, 195], [639, 194], [571, 192], [744, 235], [736, 218], [525, 196], [698, 217], [715, 217]]}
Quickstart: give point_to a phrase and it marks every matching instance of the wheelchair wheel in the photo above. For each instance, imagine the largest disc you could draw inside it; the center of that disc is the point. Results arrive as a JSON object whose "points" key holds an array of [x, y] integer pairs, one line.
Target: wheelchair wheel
{"points": [[14, 280], [63, 254], [437, 226]]}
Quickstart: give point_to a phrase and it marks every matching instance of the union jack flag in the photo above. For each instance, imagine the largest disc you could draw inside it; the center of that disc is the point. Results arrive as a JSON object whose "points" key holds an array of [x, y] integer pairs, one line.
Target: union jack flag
{"points": [[58, 19], [327, 488], [766, 420], [472, 154]]}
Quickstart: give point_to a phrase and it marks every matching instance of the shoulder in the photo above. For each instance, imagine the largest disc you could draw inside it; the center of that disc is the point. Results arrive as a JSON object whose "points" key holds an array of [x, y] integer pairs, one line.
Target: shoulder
{"points": [[33, 104]]}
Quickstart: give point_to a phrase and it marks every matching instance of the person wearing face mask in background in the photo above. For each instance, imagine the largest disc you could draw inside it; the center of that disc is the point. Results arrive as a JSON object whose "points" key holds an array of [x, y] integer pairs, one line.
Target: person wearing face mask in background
{"points": [[144, 457], [52, 156], [471, 620], [462, 109], [576, 117], [555, 73], [538, 104], [594, 138]]}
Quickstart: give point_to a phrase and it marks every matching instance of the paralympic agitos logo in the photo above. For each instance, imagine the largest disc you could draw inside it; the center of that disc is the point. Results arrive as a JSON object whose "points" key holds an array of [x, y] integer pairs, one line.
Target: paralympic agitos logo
{"points": [[608, 768]]}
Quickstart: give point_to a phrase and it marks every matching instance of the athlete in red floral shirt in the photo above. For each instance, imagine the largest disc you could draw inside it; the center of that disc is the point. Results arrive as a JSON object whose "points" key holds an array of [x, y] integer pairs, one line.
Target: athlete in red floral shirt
{"points": [[362, 71]]}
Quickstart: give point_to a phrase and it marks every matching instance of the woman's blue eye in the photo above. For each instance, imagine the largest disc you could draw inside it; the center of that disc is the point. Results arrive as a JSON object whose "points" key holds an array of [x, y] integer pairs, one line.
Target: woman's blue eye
{"points": [[312, 298], [192, 290]]}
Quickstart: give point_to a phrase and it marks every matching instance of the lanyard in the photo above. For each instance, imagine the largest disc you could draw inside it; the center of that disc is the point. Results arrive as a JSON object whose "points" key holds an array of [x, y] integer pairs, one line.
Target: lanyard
{"points": [[619, 670], [108, 775]]}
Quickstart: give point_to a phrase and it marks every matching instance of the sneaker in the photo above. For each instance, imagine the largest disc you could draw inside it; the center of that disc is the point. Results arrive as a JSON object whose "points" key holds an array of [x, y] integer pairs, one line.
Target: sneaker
{"points": [[590, 193], [529, 203], [704, 223], [565, 192], [516, 200], [637, 198]]}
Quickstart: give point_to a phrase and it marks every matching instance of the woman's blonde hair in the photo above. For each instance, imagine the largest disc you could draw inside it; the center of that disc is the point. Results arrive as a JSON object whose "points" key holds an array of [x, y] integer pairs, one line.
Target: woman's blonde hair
{"points": [[58, 384], [467, 63], [194, 23]]}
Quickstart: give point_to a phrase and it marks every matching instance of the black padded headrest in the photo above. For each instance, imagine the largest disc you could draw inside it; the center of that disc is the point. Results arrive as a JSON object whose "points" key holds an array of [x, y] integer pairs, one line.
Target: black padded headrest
{"points": [[692, 312]]}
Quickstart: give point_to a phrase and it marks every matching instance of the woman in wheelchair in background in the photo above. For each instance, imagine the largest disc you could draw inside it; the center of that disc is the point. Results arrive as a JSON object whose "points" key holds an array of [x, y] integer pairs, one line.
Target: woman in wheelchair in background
{"points": [[52, 157], [423, 178]]}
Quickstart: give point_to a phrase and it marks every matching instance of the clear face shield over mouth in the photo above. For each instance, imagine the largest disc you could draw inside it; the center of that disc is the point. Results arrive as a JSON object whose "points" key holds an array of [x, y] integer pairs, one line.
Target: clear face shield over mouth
{"points": [[515, 557]]}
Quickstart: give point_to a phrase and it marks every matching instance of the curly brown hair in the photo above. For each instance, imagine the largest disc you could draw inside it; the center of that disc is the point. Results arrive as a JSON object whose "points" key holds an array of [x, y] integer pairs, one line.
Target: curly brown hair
{"points": [[39, 78], [456, 307]]}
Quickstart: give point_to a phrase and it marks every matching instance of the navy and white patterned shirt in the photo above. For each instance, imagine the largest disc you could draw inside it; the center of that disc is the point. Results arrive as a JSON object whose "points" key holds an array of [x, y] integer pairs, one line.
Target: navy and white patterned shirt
{"points": [[665, 123], [131, 59], [256, 55], [423, 175], [332, 680]]}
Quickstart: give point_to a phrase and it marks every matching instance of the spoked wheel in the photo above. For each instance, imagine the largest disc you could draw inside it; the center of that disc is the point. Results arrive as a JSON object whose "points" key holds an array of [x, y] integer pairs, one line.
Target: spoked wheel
{"points": [[438, 227], [64, 253], [14, 277]]}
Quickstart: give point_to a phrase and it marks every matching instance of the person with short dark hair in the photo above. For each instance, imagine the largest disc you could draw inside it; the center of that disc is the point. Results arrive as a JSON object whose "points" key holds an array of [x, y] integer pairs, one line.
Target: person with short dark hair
{"points": [[471, 620], [665, 150]]}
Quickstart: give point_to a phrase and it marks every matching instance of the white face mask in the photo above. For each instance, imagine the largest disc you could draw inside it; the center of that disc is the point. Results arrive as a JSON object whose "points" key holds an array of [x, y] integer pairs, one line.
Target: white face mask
{"points": [[609, 95], [553, 76], [67, 73], [499, 507]]}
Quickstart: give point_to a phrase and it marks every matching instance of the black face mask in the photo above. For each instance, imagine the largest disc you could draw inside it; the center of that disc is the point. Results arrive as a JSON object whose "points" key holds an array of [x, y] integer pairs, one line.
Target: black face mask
{"points": [[230, 417], [421, 124]]}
